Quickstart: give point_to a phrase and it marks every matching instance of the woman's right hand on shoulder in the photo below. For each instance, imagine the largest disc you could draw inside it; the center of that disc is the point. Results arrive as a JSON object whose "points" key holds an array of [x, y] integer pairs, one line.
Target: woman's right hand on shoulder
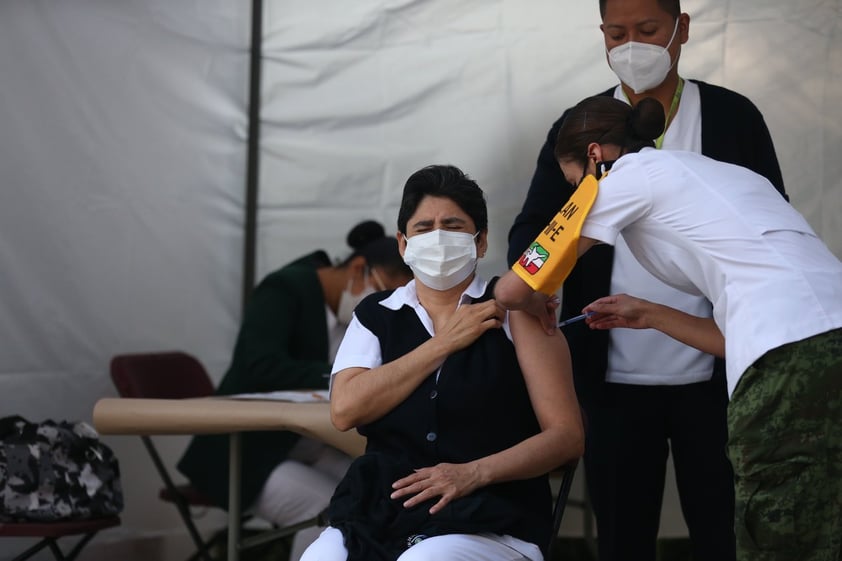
{"points": [[468, 322]]}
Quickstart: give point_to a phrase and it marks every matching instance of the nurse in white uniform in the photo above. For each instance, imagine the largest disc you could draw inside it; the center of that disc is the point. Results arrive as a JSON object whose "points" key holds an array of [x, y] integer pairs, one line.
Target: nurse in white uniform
{"points": [[721, 231]]}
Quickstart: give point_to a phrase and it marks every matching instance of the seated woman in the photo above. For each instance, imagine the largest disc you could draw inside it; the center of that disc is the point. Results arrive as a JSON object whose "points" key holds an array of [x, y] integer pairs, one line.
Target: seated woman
{"points": [[465, 406]]}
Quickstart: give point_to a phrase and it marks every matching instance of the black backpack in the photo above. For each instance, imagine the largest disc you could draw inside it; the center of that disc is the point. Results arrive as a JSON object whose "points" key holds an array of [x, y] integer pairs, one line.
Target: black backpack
{"points": [[56, 471]]}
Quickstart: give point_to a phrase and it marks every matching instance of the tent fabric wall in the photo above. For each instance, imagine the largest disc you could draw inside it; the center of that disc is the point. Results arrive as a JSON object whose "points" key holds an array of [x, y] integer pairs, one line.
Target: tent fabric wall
{"points": [[122, 168], [123, 140], [358, 97], [122, 171]]}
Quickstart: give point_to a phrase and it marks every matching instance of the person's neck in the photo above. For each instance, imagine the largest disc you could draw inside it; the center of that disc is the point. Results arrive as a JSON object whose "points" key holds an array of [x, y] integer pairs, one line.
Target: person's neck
{"points": [[664, 93], [438, 301], [333, 282]]}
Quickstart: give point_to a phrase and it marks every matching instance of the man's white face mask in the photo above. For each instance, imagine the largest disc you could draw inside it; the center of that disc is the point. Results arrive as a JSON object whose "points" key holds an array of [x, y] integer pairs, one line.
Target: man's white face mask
{"points": [[642, 66], [441, 259]]}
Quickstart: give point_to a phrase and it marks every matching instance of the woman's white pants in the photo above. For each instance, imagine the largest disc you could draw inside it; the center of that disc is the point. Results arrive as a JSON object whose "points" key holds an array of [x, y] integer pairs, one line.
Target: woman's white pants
{"points": [[452, 547]]}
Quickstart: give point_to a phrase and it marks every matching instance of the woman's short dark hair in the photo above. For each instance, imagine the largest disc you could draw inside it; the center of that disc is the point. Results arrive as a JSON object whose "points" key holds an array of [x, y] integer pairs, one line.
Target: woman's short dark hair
{"points": [[448, 182], [605, 120]]}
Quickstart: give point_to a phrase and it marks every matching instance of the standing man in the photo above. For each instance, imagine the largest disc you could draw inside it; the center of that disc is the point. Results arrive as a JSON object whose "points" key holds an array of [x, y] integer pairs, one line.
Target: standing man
{"points": [[643, 392]]}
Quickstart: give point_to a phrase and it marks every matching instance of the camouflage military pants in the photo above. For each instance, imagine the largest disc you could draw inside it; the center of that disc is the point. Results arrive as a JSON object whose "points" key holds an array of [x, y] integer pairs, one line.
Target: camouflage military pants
{"points": [[785, 443]]}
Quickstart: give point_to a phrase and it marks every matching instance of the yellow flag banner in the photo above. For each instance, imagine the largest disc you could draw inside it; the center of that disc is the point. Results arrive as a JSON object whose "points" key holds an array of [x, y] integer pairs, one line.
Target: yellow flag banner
{"points": [[550, 258]]}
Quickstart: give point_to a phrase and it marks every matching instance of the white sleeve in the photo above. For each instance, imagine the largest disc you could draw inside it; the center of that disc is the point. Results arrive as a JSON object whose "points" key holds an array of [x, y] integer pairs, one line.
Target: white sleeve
{"points": [[623, 198], [359, 348]]}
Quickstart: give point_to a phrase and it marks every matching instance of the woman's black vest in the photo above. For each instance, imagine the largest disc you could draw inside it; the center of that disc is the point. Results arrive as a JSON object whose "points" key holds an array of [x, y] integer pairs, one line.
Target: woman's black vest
{"points": [[478, 405]]}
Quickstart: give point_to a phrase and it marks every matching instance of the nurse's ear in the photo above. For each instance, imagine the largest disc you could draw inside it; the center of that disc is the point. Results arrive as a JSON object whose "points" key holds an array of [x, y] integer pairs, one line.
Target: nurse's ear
{"points": [[595, 153]]}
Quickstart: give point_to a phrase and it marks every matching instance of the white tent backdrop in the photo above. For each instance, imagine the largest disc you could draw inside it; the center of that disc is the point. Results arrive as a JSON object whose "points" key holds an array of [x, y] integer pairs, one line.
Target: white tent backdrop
{"points": [[122, 155]]}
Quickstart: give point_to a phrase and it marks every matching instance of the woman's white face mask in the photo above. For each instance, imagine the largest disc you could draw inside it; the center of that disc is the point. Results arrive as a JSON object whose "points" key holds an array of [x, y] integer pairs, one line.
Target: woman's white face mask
{"points": [[642, 66], [441, 259]]}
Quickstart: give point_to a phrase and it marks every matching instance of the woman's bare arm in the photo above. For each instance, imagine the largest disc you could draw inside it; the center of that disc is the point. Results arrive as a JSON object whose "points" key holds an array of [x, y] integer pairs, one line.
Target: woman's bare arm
{"points": [[362, 395]]}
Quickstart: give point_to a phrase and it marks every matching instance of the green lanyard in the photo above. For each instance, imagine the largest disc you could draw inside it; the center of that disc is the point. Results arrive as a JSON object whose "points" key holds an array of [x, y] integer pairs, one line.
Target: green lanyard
{"points": [[673, 106]]}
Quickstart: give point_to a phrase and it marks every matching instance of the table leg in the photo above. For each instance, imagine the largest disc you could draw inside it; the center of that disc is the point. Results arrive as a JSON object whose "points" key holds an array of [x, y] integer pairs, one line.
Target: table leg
{"points": [[234, 518]]}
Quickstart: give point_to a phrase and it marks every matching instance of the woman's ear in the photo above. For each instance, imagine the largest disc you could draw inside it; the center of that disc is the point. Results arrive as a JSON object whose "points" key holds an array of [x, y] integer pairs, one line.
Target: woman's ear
{"points": [[401, 243], [482, 243], [595, 152]]}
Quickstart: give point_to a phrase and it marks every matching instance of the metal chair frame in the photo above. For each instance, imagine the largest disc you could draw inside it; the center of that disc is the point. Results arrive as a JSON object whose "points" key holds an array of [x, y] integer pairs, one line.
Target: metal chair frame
{"points": [[50, 532], [568, 471]]}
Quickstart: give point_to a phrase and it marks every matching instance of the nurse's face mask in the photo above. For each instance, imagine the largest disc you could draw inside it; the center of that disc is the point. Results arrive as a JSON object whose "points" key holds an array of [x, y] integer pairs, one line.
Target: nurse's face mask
{"points": [[601, 169]]}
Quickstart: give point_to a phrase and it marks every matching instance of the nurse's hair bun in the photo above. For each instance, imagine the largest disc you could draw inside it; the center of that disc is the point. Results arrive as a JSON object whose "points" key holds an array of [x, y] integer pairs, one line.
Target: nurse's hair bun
{"points": [[364, 233], [646, 120]]}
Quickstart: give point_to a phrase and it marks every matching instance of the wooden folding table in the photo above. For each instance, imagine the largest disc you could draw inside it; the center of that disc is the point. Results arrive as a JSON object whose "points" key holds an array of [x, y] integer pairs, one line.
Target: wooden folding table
{"points": [[220, 415]]}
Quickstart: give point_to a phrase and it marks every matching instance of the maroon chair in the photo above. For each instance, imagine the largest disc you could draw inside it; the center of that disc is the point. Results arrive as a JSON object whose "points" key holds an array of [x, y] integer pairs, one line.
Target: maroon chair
{"points": [[169, 375], [50, 532]]}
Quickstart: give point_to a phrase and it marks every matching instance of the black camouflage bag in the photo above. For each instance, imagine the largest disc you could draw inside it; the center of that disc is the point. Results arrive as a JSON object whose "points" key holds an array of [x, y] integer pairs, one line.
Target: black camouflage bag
{"points": [[56, 471]]}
